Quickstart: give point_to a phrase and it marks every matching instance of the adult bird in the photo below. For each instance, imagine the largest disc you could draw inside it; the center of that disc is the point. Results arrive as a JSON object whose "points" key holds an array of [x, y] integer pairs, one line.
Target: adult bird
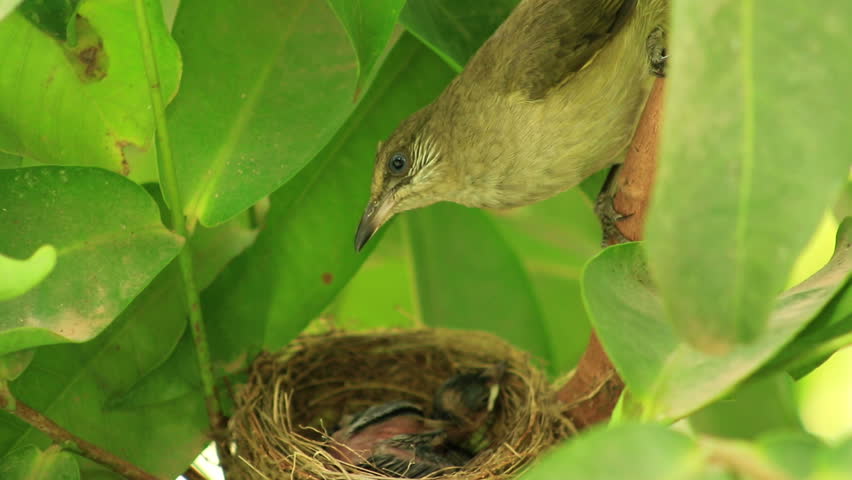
{"points": [[551, 97]]}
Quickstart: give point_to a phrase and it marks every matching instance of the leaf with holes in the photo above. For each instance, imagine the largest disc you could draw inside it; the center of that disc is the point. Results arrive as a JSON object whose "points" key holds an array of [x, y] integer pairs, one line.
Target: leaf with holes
{"points": [[109, 243], [18, 276], [95, 92]]}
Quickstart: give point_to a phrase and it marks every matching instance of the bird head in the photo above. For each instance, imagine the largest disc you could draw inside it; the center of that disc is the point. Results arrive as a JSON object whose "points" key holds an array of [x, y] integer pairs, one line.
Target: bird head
{"points": [[467, 399], [409, 173]]}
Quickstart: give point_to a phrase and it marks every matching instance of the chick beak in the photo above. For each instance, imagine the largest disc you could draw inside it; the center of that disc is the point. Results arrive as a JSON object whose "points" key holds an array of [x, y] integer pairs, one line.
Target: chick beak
{"points": [[376, 214]]}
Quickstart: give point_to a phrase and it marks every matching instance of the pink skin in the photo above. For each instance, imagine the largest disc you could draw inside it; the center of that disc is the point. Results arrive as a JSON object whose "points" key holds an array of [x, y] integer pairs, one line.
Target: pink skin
{"points": [[359, 447]]}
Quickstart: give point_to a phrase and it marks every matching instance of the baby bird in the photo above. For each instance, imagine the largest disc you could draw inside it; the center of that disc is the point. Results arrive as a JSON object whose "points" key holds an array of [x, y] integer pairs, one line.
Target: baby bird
{"points": [[416, 455], [355, 441], [465, 402]]}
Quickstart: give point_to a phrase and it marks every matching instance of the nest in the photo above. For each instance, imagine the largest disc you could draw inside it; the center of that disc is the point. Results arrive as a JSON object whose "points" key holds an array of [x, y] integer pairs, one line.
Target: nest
{"points": [[294, 399]]}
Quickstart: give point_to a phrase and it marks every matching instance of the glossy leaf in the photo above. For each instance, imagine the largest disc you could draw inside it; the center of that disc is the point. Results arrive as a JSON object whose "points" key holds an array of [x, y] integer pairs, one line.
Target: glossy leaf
{"points": [[637, 452], [468, 277], [755, 408], [95, 92], [670, 378], [30, 463], [19, 276], [455, 29], [369, 24], [255, 105], [748, 121], [107, 251], [72, 384], [305, 253]]}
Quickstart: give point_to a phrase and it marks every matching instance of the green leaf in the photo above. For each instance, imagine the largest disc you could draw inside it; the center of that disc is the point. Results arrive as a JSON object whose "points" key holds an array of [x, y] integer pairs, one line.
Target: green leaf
{"points": [[369, 24], [109, 243], [72, 383], [267, 295], [554, 239], [95, 92], [670, 378], [52, 17], [13, 364], [756, 407], [468, 277], [30, 463], [19, 276], [255, 105], [793, 453], [637, 452], [748, 121], [455, 29], [834, 463], [7, 6]]}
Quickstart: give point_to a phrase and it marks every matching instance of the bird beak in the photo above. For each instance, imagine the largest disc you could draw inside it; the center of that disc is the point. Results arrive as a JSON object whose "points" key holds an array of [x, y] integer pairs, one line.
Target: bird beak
{"points": [[376, 214]]}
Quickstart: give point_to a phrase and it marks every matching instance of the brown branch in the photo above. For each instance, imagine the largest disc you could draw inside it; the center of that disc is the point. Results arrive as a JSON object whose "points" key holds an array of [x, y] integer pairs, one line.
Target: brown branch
{"points": [[592, 392], [71, 442]]}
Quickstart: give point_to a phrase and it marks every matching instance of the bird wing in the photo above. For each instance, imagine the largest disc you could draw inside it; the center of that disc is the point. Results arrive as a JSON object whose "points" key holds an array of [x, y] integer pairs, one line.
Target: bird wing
{"points": [[382, 412], [545, 42]]}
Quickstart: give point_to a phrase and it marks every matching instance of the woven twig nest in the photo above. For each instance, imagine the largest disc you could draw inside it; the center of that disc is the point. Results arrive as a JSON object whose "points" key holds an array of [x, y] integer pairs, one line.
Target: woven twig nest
{"points": [[294, 399]]}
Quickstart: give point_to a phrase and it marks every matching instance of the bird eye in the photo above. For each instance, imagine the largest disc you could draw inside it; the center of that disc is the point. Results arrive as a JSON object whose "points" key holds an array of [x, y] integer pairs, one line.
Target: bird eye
{"points": [[398, 164]]}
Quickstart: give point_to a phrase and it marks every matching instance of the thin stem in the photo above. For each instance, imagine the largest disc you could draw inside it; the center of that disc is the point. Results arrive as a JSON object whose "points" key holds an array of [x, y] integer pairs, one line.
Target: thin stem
{"points": [[71, 442], [171, 192]]}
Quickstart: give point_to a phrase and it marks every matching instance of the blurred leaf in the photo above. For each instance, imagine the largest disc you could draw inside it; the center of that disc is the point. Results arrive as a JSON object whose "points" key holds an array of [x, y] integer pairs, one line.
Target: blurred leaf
{"points": [[71, 383], [834, 463], [468, 277], [554, 239], [108, 251], [267, 295], [255, 105], [7, 6], [30, 463], [637, 452], [759, 406], [455, 29], [369, 24], [791, 452], [52, 16], [13, 364], [96, 92], [668, 377], [19, 276], [736, 143]]}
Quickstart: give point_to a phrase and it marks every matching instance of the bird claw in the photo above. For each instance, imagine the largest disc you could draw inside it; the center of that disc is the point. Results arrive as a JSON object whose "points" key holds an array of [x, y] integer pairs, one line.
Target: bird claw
{"points": [[607, 213], [657, 56]]}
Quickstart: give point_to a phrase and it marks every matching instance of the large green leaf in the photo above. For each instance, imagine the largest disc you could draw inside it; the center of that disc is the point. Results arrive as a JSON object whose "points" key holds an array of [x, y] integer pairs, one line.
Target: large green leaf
{"points": [[87, 104], [756, 407], [30, 463], [834, 463], [793, 453], [72, 383], [637, 452], [369, 24], [455, 29], [669, 377], [756, 146], [304, 255], [265, 87], [554, 239], [110, 244], [468, 277], [18, 276]]}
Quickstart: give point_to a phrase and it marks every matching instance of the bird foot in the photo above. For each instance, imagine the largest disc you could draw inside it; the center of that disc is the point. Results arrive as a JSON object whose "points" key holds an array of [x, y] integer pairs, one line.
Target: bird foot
{"points": [[606, 212], [657, 56]]}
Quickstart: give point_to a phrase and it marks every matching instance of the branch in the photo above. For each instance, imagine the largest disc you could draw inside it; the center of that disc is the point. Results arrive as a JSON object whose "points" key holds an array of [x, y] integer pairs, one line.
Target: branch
{"points": [[69, 441], [592, 392], [171, 192]]}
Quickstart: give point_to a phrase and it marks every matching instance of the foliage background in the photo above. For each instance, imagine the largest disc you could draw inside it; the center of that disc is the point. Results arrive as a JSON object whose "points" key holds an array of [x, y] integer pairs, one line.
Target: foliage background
{"points": [[274, 113]]}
